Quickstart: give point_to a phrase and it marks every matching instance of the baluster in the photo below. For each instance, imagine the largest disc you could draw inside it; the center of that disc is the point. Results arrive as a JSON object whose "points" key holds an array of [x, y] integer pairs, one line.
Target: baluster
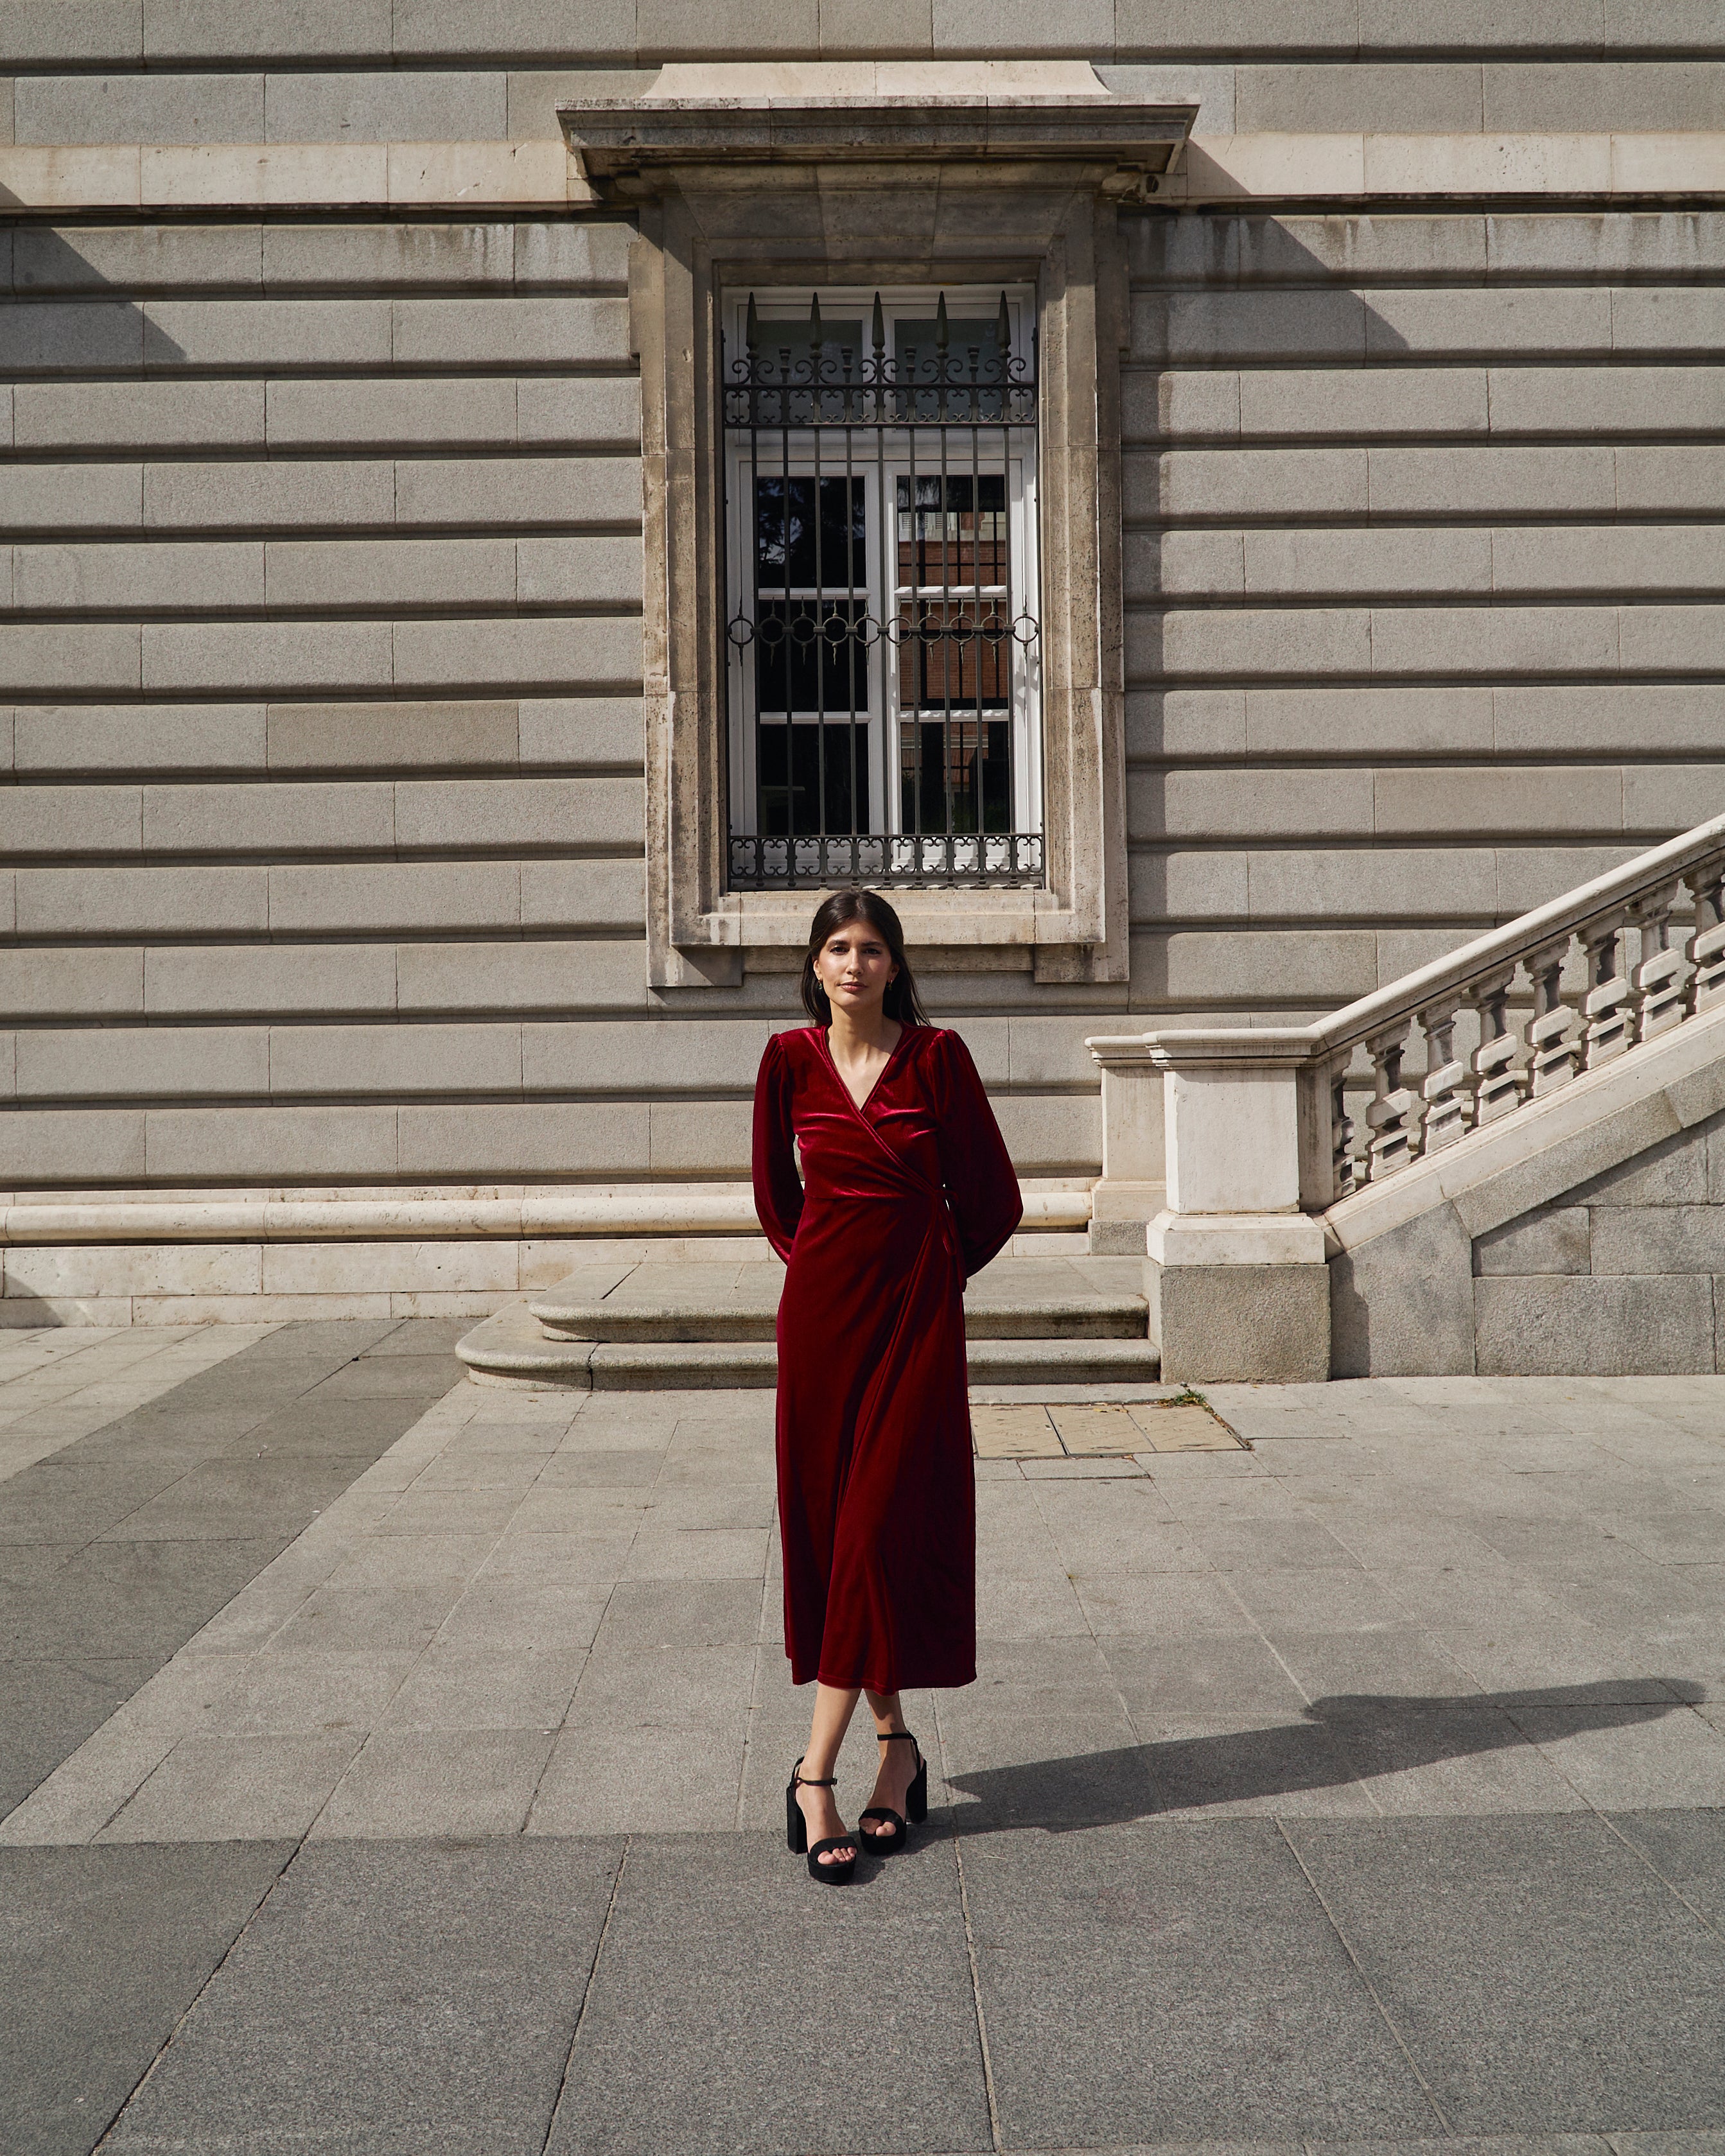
{"points": [[1707, 947], [1393, 1114], [1498, 1086], [1662, 979], [1344, 1165], [1446, 1087], [1554, 1038], [1608, 1004]]}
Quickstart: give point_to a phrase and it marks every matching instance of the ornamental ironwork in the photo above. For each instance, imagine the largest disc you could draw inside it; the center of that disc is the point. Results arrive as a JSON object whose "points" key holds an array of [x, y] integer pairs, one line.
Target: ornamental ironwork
{"points": [[880, 472]]}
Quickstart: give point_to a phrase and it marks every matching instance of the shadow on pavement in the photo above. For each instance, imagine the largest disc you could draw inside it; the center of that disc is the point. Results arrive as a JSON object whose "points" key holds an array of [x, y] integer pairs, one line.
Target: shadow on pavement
{"points": [[1343, 1737]]}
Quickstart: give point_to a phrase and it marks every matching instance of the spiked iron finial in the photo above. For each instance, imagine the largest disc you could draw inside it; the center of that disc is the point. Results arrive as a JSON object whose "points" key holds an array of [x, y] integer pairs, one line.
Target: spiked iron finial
{"points": [[1004, 332], [751, 333]]}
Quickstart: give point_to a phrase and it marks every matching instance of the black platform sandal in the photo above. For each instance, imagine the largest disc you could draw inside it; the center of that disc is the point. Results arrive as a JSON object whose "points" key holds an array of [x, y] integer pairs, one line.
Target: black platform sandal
{"points": [[916, 1801], [796, 1831]]}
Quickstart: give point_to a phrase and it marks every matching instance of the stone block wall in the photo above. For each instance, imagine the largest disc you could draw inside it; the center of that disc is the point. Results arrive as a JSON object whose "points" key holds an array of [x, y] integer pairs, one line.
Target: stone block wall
{"points": [[320, 825], [1423, 554], [1624, 1274]]}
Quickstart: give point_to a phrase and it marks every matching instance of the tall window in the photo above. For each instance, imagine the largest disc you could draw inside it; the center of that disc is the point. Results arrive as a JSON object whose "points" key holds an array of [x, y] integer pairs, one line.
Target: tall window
{"points": [[880, 533]]}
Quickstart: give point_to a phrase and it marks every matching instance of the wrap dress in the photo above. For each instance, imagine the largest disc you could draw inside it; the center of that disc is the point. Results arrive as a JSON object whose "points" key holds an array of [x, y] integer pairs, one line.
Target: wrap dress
{"points": [[897, 1204]]}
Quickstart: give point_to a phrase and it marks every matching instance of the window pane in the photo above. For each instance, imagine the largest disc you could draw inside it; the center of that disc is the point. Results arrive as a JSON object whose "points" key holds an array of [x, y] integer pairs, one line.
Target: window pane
{"points": [[808, 656], [958, 654], [962, 764], [827, 553], [953, 532], [785, 350], [790, 779]]}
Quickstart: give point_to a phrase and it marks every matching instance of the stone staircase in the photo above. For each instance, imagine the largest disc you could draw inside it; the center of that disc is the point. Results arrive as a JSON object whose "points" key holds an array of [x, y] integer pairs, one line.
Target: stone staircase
{"points": [[654, 1327]]}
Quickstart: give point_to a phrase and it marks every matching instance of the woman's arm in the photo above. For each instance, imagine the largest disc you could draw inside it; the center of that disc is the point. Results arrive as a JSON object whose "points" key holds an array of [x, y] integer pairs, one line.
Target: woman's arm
{"points": [[975, 1164], [778, 1188]]}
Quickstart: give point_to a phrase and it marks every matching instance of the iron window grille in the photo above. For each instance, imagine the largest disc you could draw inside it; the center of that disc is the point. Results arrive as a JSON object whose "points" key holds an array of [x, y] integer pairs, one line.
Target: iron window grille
{"points": [[884, 641]]}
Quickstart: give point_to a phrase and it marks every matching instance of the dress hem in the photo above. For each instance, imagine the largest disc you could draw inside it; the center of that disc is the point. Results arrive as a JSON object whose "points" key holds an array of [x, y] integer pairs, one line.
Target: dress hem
{"points": [[952, 1677]]}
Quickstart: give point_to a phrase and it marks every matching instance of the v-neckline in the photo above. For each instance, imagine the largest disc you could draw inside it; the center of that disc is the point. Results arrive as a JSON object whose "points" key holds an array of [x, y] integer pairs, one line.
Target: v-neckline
{"points": [[858, 1106]]}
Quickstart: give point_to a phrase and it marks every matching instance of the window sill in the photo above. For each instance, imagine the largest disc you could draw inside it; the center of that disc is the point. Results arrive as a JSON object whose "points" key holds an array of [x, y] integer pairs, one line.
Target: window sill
{"points": [[776, 919]]}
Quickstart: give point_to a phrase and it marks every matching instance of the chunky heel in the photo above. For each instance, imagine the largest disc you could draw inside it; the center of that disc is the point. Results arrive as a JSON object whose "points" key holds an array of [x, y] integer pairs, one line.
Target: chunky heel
{"points": [[916, 1800], [796, 1827], [796, 1831]]}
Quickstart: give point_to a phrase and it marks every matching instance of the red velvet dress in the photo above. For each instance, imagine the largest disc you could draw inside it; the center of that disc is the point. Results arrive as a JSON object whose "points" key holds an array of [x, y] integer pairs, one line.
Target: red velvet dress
{"points": [[899, 1202]]}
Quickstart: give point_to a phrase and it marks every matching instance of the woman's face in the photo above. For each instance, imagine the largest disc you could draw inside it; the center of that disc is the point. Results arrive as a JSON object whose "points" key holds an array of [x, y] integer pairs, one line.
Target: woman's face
{"points": [[854, 965]]}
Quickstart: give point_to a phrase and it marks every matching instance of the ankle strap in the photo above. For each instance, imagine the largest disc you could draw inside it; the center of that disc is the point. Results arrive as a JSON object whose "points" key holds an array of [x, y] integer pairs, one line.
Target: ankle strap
{"points": [[813, 1782], [885, 1735]]}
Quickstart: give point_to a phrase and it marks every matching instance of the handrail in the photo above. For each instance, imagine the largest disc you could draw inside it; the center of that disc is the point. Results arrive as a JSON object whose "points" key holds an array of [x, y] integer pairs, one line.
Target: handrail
{"points": [[1506, 945], [1517, 1056]]}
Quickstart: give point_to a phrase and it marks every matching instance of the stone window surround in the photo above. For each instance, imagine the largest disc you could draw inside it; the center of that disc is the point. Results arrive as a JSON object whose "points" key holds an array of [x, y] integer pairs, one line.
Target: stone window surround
{"points": [[814, 177]]}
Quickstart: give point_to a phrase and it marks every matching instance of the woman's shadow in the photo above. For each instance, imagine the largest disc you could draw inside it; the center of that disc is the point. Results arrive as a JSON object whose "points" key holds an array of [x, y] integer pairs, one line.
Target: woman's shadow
{"points": [[1341, 1739]]}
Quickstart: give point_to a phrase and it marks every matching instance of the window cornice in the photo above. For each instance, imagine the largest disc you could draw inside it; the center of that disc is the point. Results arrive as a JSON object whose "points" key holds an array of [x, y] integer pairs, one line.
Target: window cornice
{"points": [[1002, 175], [837, 116]]}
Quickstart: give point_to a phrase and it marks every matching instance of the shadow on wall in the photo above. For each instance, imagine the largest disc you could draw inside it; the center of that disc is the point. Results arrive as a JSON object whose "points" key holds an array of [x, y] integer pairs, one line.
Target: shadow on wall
{"points": [[29, 1313], [1343, 1737], [100, 325]]}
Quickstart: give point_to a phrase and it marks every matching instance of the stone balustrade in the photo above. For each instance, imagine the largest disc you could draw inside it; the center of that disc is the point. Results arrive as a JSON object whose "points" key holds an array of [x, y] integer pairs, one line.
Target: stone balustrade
{"points": [[1264, 1128], [1619, 960]]}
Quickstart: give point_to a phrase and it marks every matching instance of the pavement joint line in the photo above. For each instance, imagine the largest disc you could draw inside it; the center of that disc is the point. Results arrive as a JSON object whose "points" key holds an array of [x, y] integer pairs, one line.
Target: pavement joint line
{"points": [[568, 2057], [1346, 1946], [964, 1903], [1671, 1885], [192, 2003]]}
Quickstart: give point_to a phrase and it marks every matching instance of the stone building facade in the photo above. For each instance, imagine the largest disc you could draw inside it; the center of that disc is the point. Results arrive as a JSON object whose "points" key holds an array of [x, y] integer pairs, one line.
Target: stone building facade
{"points": [[357, 789]]}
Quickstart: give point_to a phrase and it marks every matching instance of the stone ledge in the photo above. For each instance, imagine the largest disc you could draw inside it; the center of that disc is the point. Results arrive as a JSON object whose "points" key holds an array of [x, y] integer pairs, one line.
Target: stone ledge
{"points": [[694, 1208], [1215, 168]]}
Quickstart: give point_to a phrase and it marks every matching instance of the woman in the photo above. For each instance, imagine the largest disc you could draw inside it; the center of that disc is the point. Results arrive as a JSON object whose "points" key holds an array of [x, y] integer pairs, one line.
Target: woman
{"points": [[905, 1191]]}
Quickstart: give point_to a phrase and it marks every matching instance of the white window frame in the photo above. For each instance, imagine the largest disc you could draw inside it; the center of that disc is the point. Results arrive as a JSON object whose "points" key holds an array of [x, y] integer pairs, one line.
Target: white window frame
{"points": [[778, 307]]}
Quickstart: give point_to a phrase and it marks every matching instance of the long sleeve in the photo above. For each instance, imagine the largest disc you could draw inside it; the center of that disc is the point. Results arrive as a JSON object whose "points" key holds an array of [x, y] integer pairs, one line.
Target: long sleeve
{"points": [[975, 1164], [778, 1188]]}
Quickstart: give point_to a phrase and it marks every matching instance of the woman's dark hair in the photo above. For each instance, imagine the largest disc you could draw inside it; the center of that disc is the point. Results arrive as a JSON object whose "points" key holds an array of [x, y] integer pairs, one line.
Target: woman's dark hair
{"points": [[901, 1001]]}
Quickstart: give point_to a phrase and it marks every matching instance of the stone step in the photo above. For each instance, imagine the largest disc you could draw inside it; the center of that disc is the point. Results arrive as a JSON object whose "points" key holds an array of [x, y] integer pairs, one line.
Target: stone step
{"points": [[1073, 1318], [1014, 1299], [511, 1348]]}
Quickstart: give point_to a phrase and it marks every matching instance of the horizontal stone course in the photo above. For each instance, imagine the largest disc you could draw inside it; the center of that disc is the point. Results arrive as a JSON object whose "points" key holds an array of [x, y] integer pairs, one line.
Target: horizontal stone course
{"points": [[131, 902], [1594, 1327], [136, 1063], [415, 107], [1412, 561], [531, 34], [58, 982], [178, 106], [559, 492], [1382, 402]]}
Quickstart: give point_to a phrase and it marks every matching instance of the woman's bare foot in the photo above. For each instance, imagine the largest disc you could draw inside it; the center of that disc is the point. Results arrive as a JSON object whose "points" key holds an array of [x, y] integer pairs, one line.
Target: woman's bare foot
{"points": [[819, 1809], [896, 1771]]}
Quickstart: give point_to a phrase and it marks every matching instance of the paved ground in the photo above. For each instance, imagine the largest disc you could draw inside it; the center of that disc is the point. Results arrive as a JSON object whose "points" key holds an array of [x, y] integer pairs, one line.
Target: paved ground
{"points": [[388, 1764]]}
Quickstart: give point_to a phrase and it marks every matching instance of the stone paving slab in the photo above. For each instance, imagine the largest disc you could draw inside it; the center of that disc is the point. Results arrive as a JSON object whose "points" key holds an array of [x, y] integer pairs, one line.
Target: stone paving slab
{"points": [[60, 1383], [388, 2001], [1541, 1971], [614, 1561], [861, 2030], [101, 1951], [116, 1548], [1357, 1787]]}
